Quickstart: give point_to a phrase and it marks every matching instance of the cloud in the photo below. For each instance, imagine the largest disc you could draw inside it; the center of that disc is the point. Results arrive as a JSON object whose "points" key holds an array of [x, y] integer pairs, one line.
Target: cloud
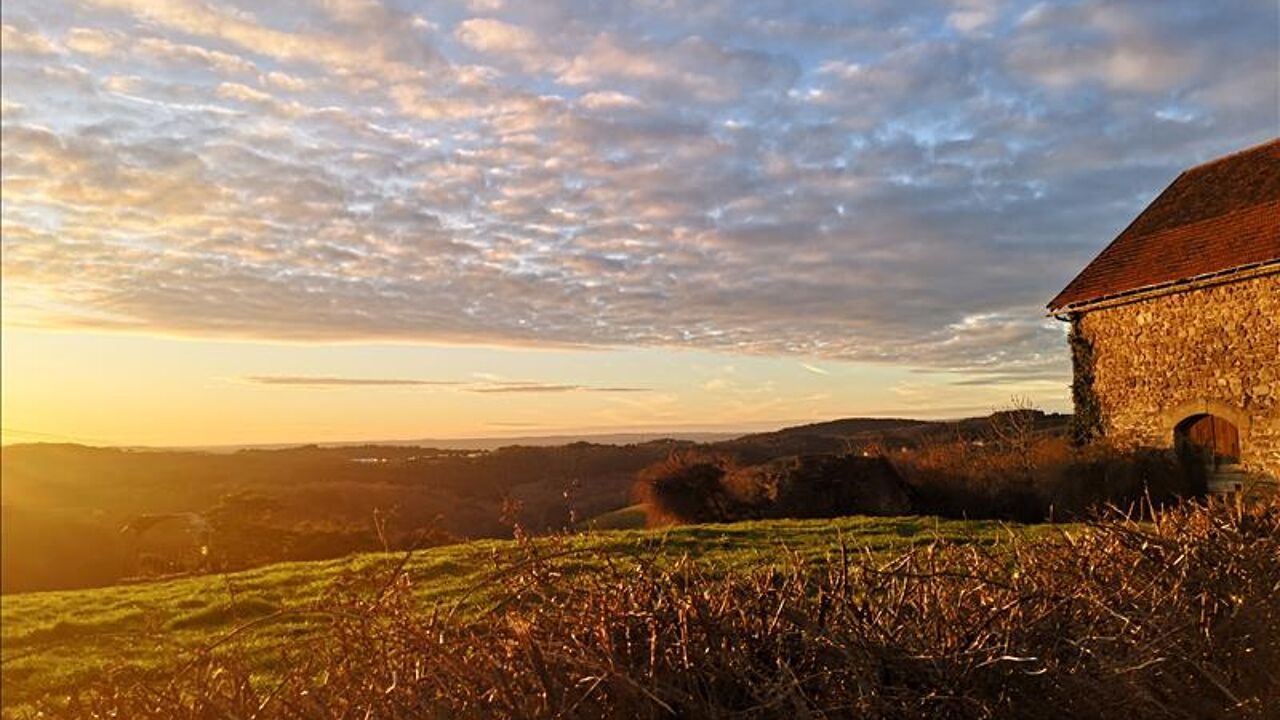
{"points": [[326, 381], [973, 16], [505, 40], [694, 66], [608, 100], [88, 41], [243, 93], [488, 386], [10, 109], [896, 182], [218, 61], [123, 84], [285, 81], [815, 369], [1115, 44], [378, 45], [19, 42], [537, 387]]}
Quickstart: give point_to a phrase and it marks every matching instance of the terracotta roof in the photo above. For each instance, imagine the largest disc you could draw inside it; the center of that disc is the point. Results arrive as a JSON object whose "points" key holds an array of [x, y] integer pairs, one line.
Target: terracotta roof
{"points": [[1215, 217]]}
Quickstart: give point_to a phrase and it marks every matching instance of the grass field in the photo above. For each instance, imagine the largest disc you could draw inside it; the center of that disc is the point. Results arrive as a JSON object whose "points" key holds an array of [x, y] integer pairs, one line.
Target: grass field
{"points": [[56, 641], [631, 517]]}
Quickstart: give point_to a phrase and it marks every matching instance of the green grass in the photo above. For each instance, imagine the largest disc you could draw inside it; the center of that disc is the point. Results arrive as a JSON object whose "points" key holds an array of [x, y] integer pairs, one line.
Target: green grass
{"points": [[631, 517], [53, 642]]}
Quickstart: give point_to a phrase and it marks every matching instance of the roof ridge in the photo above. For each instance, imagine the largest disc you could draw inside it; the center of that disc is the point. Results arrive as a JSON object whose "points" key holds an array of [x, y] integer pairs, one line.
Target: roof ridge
{"points": [[1230, 155]]}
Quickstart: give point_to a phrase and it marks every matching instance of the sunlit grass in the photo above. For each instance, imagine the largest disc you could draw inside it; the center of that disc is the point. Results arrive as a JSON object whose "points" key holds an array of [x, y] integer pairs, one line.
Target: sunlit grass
{"points": [[55, 641]]}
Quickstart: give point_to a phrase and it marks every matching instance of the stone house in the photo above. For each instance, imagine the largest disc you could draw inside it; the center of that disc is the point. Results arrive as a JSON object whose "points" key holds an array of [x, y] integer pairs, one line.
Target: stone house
{"points": [[1175, 326]]}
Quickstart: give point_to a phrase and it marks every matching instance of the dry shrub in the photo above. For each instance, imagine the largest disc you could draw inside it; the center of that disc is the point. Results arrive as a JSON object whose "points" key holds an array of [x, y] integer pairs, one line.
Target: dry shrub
{"points": [[962, 478], [693, 488], [820, 486], [1041, 478], [1100, 475], [1176, 618], [687, 487], [1017, 470]]}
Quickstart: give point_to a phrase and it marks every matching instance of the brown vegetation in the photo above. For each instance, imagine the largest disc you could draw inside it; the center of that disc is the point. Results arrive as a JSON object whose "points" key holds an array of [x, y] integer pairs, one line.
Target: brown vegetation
{"points": [[692, 487], [1174, 618], [688, 487], [1041, 479], [1011, 466]]}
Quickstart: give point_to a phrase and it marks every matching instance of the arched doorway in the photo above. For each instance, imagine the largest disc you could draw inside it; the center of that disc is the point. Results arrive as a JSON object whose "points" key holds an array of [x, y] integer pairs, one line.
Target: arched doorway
{"points": [[1212, 443]]}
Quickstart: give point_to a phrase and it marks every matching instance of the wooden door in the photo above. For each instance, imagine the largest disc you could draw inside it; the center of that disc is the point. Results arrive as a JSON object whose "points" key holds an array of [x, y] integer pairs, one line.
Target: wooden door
{"points": [[1216, 438]]}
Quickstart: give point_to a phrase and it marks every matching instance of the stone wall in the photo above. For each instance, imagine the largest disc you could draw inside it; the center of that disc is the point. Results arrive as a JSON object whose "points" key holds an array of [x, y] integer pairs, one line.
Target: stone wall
{"points": [[1213, 349]]}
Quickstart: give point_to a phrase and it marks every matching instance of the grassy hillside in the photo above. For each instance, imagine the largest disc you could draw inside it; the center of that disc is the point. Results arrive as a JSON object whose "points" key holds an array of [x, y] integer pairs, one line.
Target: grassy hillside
{"points": [[56, 641], [631, 517]]}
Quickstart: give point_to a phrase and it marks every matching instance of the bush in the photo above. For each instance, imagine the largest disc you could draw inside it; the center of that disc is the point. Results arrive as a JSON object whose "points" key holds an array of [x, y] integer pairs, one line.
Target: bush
{"points": [[1175, 618], [1041, 479], [692, 488], [687, 488], [1100, 475], [822, 486]]}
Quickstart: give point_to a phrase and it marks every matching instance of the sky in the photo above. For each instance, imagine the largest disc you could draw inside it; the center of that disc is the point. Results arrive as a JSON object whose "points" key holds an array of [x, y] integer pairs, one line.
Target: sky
{"points": [[382, 219]]}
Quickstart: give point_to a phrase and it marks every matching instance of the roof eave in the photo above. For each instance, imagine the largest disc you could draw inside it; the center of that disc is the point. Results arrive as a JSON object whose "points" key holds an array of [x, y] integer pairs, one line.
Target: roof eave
{"points": [[1239, 272]]}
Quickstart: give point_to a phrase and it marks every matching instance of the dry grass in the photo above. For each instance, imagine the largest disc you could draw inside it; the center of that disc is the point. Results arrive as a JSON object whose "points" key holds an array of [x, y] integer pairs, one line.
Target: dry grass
{"points": [[1175, 618]]}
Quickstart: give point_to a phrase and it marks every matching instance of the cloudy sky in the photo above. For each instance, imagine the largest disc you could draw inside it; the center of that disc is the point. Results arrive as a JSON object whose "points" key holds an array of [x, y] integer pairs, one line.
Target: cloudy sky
{"points": [[380, 218]]}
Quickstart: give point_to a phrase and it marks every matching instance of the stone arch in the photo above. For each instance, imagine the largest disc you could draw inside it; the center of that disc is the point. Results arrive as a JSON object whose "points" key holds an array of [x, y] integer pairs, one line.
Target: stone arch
{"points": [[1175, 415], [1209, 437]]}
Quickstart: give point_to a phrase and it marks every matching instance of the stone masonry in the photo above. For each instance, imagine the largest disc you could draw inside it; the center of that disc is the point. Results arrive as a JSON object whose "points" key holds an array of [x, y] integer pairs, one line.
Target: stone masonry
{"points": [[1213, 349]]}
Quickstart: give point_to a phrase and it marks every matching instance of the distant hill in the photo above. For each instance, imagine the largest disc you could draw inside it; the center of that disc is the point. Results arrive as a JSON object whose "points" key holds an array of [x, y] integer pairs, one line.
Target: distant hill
{"points": [[490, 443], [852, 434], [313, 502], [796, 437]]}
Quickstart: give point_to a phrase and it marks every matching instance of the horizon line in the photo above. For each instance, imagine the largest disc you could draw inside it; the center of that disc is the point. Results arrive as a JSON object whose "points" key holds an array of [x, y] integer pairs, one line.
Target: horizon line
{"points": [[658, 432]]}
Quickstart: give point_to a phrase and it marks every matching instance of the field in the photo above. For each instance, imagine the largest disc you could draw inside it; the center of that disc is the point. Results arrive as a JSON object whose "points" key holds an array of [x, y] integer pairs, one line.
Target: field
{"points": [[56, 641], [1171, 615]]}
